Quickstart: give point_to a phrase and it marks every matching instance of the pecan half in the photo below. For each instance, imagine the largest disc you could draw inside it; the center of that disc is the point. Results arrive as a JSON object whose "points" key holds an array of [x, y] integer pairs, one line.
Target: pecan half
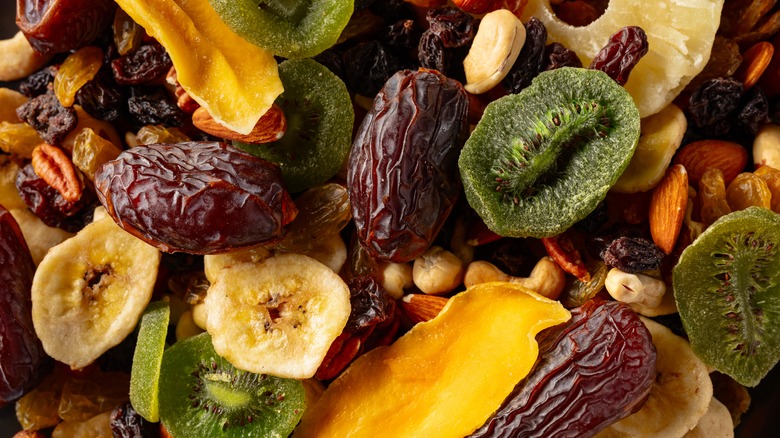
{"points": [[51, 164]]}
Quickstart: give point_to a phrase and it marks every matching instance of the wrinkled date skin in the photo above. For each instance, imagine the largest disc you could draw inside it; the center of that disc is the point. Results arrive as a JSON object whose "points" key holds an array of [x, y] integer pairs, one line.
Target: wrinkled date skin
{"points": [[54, 26], [592, 371], [403, 178], [23, 361], [195, 197]]}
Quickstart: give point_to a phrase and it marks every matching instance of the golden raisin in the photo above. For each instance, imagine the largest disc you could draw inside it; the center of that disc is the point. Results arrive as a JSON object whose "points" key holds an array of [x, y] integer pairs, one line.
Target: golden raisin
{"points": [[78, 69], [159, 134], [90, 151], [322, 211], [712, 192], [772, 178], [127, 33], [748, 190], [18, 138]]}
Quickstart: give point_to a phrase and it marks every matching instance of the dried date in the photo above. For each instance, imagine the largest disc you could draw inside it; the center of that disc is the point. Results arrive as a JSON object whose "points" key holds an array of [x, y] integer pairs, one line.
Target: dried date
{"points": [[592, 371], [54, 26], [621, 54], [403, 171], [48, 117], [195, 197], [23, 361]]}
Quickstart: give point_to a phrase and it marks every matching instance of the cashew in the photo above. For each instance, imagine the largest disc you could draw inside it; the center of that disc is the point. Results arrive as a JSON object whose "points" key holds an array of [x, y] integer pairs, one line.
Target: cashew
{"points": [[19, 60], [638, 289], [496, 46], [395, 278], [437, 271], [547, 278], [10, 100], [766, 147]]}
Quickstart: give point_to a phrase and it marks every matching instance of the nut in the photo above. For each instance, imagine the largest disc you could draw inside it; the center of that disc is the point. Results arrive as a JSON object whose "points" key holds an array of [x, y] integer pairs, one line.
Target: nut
{"points": [[29, 434], [547, 278], [421, 307], [9, 101], [19, 60], [51, 164], [186, 327], [271, 127], [638, 289], [755, 60], [199, 315], [766, 147], [184, 101], [395, 277], [437, 271], [699, 156], [667, 207], [496, 46]]}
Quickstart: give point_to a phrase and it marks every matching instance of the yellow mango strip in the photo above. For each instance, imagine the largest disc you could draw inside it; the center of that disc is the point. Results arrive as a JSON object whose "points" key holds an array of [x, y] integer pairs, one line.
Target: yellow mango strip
{"points": [[232, 78], [445, 377]]}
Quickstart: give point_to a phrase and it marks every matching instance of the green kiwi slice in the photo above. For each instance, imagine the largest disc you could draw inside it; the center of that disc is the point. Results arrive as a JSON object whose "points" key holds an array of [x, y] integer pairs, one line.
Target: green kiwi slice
{"points": [[727, 289], [541, 160], [147, 358], [291, 29], [203, 395], [319, 116]]}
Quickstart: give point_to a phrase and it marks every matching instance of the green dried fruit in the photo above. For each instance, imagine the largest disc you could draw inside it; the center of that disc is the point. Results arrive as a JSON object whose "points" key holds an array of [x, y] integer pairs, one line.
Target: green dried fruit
{"points": [[727, 288], [541, 160], [147, 359]]}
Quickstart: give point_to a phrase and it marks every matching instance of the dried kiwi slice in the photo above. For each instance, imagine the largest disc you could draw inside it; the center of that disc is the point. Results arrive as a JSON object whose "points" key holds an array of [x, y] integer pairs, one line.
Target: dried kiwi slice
{"points": [[287, 28], [319, 116], [202, 395], [541, 160], [727, 289], [147, 359]]}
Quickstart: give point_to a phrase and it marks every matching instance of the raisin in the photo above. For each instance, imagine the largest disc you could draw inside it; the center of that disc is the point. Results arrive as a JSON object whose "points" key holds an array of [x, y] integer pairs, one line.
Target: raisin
{"points": [[127, 423], [333, 60], [530, 60], [48, 117], [153, 107], [101, 98], [556, 55], [368, 66], [392, 10], [146, 64], [48, 204], [712, 103], [431, 53], [598, 242], [401, 35], [604, 351], [633, 255], [193, 197], [510, 255], [403, 168], [623, 51], [754, 112], [38, 82], [455, 27], [23, 362]]}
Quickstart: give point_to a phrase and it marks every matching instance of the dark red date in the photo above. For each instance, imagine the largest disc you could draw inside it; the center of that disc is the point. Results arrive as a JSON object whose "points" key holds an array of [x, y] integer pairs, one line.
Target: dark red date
{"points": [[403, 175], [592, 371], [195, 197], [23, 361], [53, 26], [621, 54]]}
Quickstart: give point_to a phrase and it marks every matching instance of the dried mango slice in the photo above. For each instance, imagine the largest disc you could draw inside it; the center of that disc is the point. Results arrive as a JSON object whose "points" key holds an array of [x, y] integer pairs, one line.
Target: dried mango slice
{"points": [[232, 78], [444, 377]]}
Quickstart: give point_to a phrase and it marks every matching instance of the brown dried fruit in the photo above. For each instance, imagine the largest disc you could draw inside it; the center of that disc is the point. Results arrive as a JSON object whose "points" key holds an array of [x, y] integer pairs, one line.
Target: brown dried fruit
{"points": [[667, 207], [562, 250], [271, 126], [51, 164]]}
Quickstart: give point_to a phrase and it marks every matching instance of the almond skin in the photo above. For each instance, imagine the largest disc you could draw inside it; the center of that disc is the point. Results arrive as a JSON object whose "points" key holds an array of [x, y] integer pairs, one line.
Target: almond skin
{"points": [[667, 207], [421, 307], [271, 127], [699, 156]]}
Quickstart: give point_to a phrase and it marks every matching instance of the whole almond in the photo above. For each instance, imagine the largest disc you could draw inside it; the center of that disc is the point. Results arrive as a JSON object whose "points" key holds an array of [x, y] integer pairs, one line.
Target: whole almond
{"points": [[667, 207], [755, 61], [421, 307], [271, 127], [699, 156]]}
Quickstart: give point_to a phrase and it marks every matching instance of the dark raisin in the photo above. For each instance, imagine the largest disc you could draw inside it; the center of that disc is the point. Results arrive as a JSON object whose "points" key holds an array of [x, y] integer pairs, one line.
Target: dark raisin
{"points": [[38, 82], [623, 51], [333, 60], [144, 65], [596, 243], [102, 98], [194, 197], [127, 423], [595, 220], [431, 53], [48, 117], [511, 255], [401, 36], [23, 361], [152, 106], [368, 66], [754, 111], [713, 102], [633, 254], [556, 55], [455, 27], [392, 10], [604, 352], [48, 204], [370, 303], [403, 165], [530, 60]]}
